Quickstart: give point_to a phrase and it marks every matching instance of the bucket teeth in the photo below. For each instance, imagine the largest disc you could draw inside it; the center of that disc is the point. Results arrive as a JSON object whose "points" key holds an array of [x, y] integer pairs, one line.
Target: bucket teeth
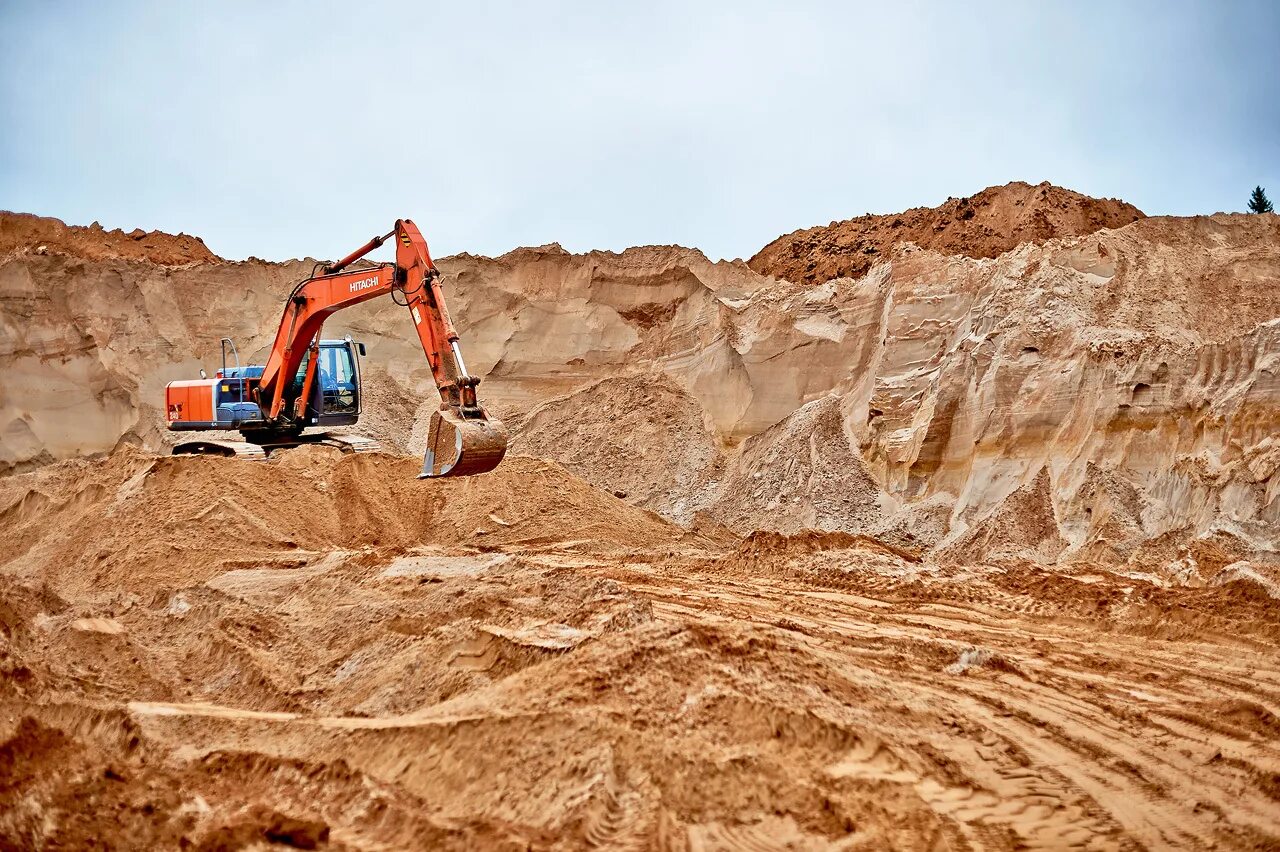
{"points": [[459, 447]]}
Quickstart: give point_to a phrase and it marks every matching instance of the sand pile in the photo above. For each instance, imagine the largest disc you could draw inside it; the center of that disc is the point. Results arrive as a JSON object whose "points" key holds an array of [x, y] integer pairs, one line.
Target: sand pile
{"points": [[135, 521], [984, 225], [641, 438], [22, 232], [1024, 527], [803, 472]]}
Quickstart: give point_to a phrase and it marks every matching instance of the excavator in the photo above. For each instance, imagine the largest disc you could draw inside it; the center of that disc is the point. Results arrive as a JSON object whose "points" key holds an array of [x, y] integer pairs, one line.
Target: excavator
{"points": [[309, 381]]}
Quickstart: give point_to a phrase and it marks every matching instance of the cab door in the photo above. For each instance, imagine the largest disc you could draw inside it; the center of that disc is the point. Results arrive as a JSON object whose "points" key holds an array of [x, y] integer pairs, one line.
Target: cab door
{"points": [[338, 382]]}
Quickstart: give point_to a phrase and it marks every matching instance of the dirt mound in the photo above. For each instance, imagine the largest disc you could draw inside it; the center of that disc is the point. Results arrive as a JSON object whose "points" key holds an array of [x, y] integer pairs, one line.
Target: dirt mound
{"points": [[389, 411], [803, 472], [984, 225], [45, 235], [135, 521], [641, 438], [1023, 526]]}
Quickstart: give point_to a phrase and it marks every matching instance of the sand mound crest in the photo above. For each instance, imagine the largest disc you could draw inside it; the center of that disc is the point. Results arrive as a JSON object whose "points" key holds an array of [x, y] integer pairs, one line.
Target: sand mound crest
{"points": [[44, 234], [133, 520], [641, 438], [802, 472], [984, 225], [1022, 526]]}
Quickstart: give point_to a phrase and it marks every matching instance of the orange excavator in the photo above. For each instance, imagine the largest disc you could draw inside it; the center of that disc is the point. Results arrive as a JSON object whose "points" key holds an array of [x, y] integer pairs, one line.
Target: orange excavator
{"points": [[308, 381]]}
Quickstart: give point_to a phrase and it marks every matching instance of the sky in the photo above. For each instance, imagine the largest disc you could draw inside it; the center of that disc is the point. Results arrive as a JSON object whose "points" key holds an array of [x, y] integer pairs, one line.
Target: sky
{"points": [[292, 129]]}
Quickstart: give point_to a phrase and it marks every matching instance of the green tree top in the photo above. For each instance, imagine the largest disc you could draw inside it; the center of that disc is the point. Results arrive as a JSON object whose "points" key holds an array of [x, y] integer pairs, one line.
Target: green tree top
{"points": [[1259, 203]]}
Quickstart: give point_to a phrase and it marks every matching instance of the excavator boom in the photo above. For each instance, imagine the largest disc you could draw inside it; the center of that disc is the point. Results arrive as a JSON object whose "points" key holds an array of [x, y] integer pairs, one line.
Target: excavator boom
{"points": [[462, 438]]}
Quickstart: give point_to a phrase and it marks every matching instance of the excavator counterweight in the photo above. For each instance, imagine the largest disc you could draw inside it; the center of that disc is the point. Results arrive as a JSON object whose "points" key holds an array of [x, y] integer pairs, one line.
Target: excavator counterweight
{"points": [[308, 381]]}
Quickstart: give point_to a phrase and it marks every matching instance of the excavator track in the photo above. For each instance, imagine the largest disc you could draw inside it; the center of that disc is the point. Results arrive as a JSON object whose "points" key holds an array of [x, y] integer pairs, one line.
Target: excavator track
{"points": [[351, 443], [260, 452], [228, 449]]}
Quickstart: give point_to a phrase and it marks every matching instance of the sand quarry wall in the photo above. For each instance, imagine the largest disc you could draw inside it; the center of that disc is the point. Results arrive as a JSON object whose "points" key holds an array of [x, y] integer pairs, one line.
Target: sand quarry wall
{"points": [[1112, 396]]}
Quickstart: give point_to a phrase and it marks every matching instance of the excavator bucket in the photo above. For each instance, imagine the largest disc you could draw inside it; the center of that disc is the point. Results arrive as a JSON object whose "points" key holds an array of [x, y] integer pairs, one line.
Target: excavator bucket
{"points": [[458, 447]]}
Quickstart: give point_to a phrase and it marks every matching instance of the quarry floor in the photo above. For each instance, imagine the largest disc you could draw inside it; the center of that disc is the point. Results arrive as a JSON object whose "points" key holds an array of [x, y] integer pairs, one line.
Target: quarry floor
{"points": [[551, 688]]}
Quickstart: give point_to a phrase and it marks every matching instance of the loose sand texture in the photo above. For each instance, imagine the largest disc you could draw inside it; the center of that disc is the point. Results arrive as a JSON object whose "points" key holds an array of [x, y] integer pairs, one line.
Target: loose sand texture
{"points": [[971, 541], [324, 652]]}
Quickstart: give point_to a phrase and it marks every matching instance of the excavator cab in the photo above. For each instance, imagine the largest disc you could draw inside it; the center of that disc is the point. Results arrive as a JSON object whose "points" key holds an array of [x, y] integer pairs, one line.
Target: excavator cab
{"points": [[335, 393], [339, 378]]}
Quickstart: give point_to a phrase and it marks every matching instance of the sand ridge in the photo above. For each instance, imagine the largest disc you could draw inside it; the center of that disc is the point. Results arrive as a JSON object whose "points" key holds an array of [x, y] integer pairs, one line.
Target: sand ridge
{"points": [[986, 224]]}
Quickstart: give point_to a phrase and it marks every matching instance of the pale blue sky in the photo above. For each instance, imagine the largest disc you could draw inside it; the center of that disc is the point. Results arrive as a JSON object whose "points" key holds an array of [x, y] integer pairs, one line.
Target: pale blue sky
{"points": [[286, 129]]}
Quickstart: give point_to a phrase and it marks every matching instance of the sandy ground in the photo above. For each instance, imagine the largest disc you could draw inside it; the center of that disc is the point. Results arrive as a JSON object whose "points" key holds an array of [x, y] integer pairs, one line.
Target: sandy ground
{"points": [[520, 680]]}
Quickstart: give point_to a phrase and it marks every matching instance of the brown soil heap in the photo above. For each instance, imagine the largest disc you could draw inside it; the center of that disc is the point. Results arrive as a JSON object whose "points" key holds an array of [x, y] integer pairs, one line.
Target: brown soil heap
{"points": [[44, 234], [984, 225]]}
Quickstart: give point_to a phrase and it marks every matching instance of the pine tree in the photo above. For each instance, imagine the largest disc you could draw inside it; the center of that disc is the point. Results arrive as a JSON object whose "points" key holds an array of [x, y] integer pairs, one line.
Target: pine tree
{"points": [[1259, 203]]}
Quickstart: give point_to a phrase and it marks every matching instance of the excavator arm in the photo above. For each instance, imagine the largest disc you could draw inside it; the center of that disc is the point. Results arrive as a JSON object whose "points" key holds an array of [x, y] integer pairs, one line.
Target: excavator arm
{"points": [[462, 438]]}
